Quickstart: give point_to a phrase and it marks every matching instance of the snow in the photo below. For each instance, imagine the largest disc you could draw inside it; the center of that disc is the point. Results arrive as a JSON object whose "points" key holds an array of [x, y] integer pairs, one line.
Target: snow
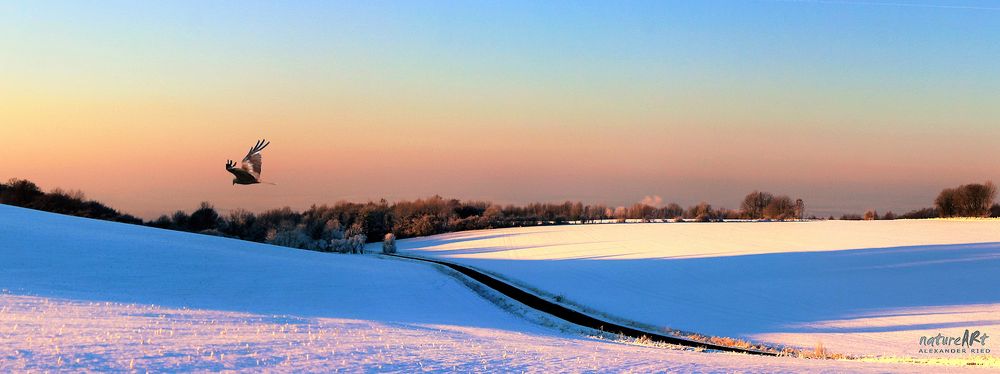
{"points": [[66, 257], [861, 288], [86, 295]]}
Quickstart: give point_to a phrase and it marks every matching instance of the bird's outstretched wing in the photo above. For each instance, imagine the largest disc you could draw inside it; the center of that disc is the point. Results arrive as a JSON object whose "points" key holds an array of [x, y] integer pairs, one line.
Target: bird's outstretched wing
{"points": [[240, 173], [251, 163]]}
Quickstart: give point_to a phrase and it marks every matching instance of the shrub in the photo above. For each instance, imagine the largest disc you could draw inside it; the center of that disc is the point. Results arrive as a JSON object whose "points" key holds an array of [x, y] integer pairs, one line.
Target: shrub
{"points": [[819, 351], [163, 222], [339, 245], [871, 215], [723, 214], [920, 214], [358, 243], [389, 244], [349, 244], [701, 213], [353, 241], [294, 238]]}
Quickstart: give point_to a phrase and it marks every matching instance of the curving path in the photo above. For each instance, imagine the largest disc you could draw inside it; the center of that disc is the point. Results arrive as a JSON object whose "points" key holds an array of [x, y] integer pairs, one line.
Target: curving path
{"points": [[574, 316]]}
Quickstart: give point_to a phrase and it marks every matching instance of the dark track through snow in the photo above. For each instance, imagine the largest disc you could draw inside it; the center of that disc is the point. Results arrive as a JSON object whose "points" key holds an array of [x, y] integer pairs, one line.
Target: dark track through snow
{"points": [[576, 317]]}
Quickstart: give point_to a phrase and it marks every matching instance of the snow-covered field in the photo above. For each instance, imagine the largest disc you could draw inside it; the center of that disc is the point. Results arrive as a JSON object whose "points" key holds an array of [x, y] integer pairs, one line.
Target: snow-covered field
{"points": [[87, 295], [862, 288]]}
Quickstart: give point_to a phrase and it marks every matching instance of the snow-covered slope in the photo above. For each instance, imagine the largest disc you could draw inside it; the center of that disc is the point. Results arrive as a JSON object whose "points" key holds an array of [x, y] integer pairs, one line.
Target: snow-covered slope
{"points": [[867, 288], [80, 294], [67, 257]]}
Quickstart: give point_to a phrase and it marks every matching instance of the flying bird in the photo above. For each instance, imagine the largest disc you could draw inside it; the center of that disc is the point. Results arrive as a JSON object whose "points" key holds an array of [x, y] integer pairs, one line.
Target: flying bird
{"points": [[249, 170]]}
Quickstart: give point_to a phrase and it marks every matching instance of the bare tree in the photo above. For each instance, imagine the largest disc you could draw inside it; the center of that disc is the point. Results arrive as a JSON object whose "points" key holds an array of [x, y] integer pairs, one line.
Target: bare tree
{"points": [[672, 210], [701, 213], [969, 200], [947, 202], [871, 215], [780, 207], [754, 204], [976, 199]]}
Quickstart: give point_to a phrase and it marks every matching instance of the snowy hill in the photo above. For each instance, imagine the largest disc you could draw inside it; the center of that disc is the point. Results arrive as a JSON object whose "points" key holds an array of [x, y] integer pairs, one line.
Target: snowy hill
{"points": [[67, 257], [865, 288], [81, 294]]}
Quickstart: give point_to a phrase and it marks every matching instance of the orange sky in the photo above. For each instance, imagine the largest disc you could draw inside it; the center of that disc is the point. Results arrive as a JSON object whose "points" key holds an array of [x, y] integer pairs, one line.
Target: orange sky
{"points": [[140, 106]]}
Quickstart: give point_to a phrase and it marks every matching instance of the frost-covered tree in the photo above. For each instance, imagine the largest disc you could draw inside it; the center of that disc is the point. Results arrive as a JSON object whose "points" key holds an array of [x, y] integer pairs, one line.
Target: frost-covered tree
{"points": [[389, 244], [358, 243], [350, 241], [294, 238]]}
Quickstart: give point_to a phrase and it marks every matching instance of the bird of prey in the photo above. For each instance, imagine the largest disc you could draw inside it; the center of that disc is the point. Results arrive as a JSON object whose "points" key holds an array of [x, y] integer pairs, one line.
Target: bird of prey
{"points": [[249, 170]]}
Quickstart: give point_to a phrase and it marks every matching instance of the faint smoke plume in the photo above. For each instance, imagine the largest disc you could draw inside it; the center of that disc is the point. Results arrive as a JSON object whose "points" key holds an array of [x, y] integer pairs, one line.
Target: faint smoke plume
{"points": [[653, 200]]}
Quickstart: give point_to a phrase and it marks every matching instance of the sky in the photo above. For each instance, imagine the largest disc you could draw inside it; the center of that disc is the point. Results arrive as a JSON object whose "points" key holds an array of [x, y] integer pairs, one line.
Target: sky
{"points": [[847, 104]]}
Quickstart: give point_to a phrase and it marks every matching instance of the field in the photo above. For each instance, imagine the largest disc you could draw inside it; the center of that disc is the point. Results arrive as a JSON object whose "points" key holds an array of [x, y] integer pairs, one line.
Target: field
{"points": [[856, 288], [80, 294]]}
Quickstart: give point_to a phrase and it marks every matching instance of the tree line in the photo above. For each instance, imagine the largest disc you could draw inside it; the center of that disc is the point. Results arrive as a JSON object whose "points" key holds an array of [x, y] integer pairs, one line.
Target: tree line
{"points": [[24, 193], [974, 200], [346, 226]]}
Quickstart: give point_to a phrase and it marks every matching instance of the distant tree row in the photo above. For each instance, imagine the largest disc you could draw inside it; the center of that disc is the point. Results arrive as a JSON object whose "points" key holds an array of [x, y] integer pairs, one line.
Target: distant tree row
{"points": [[346, 226], [24, 193], [758, 205], [968, 200], [317, 226]]}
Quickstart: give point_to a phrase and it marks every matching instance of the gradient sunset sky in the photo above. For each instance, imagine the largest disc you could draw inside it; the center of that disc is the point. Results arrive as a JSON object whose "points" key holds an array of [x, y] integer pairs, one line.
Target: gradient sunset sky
{"points": [[846, 104]]}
